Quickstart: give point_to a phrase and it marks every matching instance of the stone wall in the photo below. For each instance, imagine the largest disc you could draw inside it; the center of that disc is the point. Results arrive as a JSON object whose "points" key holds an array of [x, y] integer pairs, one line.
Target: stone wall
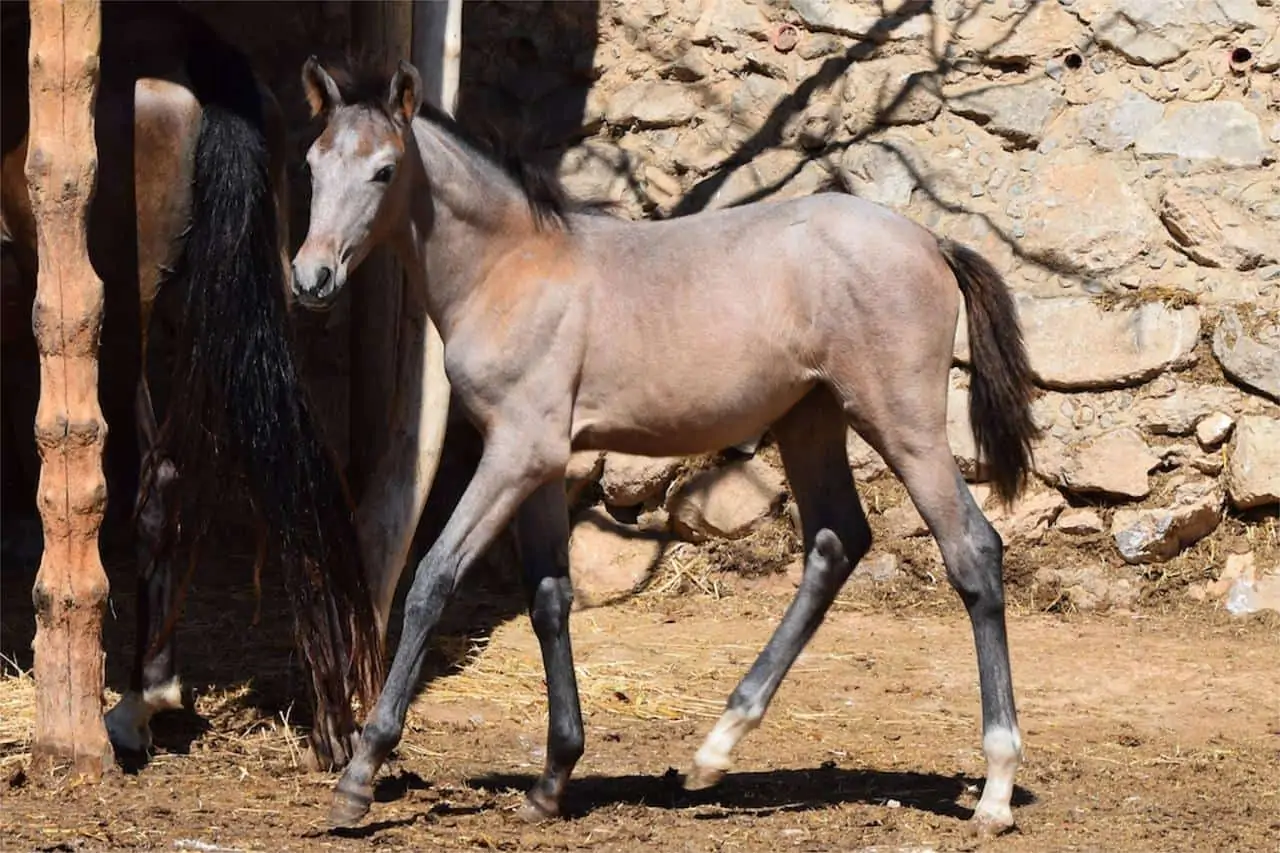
{"points": [[1115, 159]]}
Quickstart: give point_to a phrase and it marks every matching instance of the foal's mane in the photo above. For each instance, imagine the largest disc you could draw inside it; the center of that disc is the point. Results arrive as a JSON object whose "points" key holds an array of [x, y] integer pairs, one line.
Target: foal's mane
{"points": [[363, 84]]}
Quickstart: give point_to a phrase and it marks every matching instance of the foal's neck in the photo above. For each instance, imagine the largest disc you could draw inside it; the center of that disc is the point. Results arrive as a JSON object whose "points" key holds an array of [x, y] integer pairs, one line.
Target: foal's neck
{"points": [[465, 213]]}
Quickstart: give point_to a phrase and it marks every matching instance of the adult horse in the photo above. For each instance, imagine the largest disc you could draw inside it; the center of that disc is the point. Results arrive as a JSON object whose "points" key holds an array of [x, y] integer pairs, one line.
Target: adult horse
{"points": [[565, 331], [186, 229]]}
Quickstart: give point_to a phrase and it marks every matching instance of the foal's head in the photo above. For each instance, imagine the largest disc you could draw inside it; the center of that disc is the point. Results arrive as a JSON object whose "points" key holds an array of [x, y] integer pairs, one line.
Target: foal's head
{"points": [[358, 186]]}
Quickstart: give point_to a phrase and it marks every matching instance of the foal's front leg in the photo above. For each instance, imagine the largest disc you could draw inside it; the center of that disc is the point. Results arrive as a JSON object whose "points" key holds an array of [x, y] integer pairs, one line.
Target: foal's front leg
{"points": [[543, 533], [512, 467]]}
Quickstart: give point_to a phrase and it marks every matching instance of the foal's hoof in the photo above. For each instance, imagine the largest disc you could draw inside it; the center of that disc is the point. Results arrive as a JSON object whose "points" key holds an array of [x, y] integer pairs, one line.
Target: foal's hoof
{"points": [[701, 778], [350, 805], [537, 809], [984, 825]]}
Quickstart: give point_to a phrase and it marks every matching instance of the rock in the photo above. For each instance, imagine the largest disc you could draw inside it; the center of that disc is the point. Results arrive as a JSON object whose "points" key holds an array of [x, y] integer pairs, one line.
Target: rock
{"points": [[1029, 517], [1213, 429], [1217, 131], [629, 480], [773, 174], [1157, 535], [1075, 345], [1039, 32], [904, 522], [1080, 521], [878, 568], [1238, 567], [1018, 112], [1086, 214], [959, 432], [1115, 464], [1253, 467], [582, 471], [650, 104], [1214, 232], [1156, 32], [861, 19], [1115, 124], [754, 99], [908, 90], [608, 560], [877, 172], [1253, 363], [595, 172], [727, 502], [1087, 588], [1179, 413], [863, 459], [726, 22]]}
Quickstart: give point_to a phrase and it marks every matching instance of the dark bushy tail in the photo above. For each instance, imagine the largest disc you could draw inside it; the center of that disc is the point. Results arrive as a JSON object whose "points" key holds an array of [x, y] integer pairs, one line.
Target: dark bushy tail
{"points": [[1001, 386], [238, 407]]}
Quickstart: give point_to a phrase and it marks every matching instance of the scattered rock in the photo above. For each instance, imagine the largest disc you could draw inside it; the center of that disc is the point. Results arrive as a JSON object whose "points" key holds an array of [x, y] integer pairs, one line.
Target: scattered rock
{"points": [[1214, 429], [1029, 518], [629, 480], [609, 560], [861, 19], [727, 502], [863, 459], [582, 471], [1086, 214], [1178, 413], [1080, 521], [650, 104], [1239, 566], [1253, 363], [763, 177], [877, 172], [595, 172], [1041, 31], [1157, 535], [1075, 345], [1219, 131], [1087, 588], [903, 521], [1156, 32], [1019, 112], [1115, 124], [726, 22], [908, 90], [878, 568], [1115, 464], [1214, 232], [1253, 469]]}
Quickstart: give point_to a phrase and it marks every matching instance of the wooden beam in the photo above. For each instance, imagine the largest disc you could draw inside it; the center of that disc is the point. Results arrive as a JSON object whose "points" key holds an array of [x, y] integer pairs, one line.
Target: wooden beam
{"points": [[381, 29], [71, 587], [437, 49]]}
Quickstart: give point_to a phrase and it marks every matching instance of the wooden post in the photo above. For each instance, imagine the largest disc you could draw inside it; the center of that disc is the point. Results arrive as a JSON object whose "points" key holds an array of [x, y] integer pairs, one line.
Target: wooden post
{"points": [[71, 587], [383, 29], [437, 49]]}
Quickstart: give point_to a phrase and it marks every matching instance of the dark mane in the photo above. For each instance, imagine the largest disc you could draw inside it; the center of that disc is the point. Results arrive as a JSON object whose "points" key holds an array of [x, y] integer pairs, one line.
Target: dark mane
{"points": [[363, 84]]}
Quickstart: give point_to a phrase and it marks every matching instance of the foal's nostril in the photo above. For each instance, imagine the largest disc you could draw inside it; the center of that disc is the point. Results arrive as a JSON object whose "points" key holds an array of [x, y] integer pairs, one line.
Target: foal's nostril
{"points": [[323, 277]]}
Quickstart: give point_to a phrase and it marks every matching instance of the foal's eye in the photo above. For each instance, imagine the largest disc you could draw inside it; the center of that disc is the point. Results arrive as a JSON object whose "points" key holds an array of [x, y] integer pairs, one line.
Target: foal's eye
{"points": [[383, 175]]}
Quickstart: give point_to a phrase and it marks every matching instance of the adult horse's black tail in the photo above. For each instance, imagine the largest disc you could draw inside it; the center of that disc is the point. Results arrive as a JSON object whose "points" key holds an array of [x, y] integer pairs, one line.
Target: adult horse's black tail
{"points": [[1001, 386], [237, 407]]}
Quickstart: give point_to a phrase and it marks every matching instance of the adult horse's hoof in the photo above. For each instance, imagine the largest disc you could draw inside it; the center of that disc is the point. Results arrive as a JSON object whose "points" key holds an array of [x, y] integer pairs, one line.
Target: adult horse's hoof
{"points": [[537, 809], [701, 778], [984, 825], [350, 805]]}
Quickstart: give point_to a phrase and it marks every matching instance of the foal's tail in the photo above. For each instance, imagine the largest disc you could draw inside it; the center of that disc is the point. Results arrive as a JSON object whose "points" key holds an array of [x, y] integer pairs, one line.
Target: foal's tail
{"points": [[237, 405], [1001, 385]]}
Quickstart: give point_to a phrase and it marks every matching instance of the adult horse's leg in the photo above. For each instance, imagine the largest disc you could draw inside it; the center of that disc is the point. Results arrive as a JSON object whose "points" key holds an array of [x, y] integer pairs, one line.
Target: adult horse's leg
{"points": [[811, 438], [514, 464], [166, 126], [543, 534]]}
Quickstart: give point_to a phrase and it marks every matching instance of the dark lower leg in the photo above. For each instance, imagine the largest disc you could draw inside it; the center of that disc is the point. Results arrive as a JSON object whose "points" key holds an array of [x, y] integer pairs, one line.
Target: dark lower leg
{"points": [[544, 540], [836, 536], [500, 484]]}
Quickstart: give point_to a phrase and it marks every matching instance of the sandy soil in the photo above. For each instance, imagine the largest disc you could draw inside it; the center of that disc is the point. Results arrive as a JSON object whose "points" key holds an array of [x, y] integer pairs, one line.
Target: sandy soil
{"points": [[1155, 732]]}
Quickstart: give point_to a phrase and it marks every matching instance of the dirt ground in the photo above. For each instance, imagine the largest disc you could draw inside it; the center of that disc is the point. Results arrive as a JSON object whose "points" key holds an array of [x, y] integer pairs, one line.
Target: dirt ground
{"points": [[1152, 731]]}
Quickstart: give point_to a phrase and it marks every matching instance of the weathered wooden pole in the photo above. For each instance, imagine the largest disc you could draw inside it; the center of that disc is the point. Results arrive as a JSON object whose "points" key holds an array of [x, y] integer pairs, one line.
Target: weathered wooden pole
{"points": [[70, 591]]}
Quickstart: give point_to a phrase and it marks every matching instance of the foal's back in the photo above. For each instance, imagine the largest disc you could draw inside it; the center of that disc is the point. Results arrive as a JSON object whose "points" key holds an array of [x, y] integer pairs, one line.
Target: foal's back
{"points": [[701, 331]]}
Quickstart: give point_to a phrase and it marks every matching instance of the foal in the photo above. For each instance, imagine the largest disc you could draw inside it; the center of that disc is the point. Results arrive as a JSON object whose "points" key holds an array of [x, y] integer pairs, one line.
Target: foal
{"points": [[568, 332]]}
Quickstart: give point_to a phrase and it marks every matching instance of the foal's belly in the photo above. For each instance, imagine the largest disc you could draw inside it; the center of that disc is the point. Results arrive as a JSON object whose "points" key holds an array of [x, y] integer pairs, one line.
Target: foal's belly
{"points": [[686, 408]]}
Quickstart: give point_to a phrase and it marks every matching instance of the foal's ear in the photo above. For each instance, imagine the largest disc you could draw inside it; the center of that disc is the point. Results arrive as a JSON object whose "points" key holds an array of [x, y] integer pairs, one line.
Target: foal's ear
{"points": [[322, 92], [405, 97]]}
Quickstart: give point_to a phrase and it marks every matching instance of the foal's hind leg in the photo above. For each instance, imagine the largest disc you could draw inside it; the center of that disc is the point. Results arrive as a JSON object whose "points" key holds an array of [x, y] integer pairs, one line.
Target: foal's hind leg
{"points": [[812, 440], [543, 531], [973, 553]]}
